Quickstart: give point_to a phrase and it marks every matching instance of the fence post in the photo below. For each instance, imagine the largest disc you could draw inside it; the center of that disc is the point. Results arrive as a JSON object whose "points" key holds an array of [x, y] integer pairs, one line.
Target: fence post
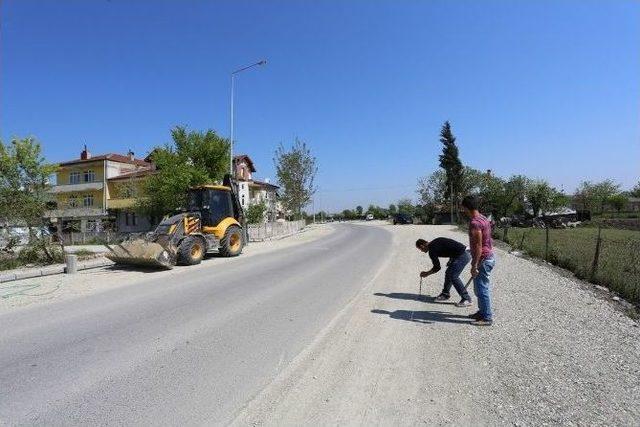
{"points": [[522, 240], [596, 256], [546, 243], [505, 231]]}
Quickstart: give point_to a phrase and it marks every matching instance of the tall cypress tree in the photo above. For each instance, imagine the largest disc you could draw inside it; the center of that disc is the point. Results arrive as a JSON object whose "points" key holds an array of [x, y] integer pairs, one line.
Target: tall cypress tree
{"points": [[450, 161]]}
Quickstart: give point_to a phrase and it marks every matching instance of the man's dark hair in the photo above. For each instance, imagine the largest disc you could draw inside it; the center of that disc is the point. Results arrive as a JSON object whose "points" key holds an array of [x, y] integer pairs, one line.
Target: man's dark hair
{"points": [[420, 243], [471, 202]]}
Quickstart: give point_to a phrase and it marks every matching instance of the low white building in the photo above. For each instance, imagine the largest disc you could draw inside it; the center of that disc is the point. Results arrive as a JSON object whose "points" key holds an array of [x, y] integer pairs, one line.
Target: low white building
{"points": [[252, 191]]}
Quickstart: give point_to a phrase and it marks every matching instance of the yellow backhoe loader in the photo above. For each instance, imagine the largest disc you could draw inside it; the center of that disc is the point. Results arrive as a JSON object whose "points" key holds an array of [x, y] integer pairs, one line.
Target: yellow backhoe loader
{"points": [[213, 222]]}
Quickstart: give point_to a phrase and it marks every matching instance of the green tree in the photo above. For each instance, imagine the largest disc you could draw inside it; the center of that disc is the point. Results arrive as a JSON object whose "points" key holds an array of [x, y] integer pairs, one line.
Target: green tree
{"points": [[392, 209], [595, 195], [359, 210], [24, 182], [255, 213], [618, 201], [405, 206], [603, 191], [543, 198], [473, 181], [348, 214], [193, 158], [503, 197], [450, 162], [296, 170], [635, 191], [378, 212], [431, 188]]}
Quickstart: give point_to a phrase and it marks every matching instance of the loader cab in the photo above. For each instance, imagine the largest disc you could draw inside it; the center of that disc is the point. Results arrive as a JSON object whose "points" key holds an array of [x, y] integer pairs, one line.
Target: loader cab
{"points": [[213, 202]]}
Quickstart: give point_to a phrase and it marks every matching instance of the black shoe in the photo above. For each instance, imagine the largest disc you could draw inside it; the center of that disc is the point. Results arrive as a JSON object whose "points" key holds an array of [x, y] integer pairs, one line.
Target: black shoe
{"points": [[442, 297], [475, 316], [482, 322]]}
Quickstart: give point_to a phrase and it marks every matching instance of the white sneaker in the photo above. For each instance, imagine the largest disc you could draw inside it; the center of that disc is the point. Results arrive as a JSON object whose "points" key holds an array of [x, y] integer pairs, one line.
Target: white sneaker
{"points": [[464, 303]]}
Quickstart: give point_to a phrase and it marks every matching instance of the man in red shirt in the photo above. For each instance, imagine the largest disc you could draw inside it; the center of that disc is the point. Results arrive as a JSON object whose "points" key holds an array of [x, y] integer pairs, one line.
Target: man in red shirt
{"points": [[482, 259]]}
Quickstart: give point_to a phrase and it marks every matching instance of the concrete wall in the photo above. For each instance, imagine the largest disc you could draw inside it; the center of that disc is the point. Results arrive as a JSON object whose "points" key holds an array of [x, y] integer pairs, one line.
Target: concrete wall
{"points": [[270, 230], [143, 222]]}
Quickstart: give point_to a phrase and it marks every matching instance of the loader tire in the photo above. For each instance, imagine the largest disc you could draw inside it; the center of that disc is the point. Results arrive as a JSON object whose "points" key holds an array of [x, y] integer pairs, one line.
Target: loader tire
{"points": [[191, 251], [232, 242]]}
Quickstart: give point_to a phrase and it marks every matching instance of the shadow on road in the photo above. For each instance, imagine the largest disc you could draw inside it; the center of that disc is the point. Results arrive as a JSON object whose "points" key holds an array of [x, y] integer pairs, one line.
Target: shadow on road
{"points": [[424, 316], [413, 297]]}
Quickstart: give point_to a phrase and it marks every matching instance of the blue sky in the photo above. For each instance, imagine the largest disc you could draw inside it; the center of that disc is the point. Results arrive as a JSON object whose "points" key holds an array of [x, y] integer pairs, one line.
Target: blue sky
{"points": [[549, 89]]}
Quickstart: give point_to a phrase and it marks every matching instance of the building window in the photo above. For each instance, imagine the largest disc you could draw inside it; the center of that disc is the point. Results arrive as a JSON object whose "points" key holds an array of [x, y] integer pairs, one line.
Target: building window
{"points": [[74, 178], [89, 176], [73, 202], [87, 200]]}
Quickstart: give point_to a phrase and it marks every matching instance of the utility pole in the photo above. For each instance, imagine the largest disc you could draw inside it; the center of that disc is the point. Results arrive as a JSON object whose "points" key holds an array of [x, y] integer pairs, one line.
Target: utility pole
{"points": [[451, 197]]}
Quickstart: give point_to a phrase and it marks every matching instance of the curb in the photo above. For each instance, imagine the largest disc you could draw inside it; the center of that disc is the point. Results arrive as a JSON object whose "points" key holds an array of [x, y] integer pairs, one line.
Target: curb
{"points": [[49, 270]]}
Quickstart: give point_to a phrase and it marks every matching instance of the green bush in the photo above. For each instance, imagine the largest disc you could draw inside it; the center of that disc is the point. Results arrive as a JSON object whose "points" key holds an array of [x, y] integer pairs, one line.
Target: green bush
{"points": [[40, 252], [255, 213]]}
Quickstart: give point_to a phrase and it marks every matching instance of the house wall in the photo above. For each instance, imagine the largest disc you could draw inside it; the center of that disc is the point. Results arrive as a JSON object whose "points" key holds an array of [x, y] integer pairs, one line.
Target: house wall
{"points": [[242, 171], [62, 176], [244, 194], [63, 199], [125, 188], [142, 222], [116, 168]]}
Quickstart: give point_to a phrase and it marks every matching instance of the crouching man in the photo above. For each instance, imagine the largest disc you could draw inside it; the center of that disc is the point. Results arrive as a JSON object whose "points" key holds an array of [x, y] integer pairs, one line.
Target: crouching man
{"points": [[458, 256]]}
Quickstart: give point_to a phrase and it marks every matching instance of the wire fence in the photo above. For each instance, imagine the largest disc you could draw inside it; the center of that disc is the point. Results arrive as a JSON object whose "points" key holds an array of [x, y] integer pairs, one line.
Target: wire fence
{"points": [[605, 256]]}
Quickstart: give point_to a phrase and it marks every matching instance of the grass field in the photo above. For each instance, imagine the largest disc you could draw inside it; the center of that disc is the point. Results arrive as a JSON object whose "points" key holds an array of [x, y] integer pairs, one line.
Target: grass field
{"points": [[618, 266]]}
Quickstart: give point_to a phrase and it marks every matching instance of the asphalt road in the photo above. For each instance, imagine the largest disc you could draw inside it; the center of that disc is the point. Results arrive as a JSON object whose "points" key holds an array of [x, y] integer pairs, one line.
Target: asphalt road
{"points": [[191, 348]]}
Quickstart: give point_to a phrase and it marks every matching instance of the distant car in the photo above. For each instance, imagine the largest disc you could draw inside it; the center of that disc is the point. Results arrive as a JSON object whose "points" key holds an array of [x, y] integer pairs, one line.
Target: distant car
{"points": [[369, 217], [402, 219]]}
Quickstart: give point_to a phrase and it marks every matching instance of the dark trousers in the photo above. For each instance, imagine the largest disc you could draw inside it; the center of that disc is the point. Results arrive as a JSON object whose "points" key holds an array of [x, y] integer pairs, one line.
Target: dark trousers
{"points": [[455, 266]]}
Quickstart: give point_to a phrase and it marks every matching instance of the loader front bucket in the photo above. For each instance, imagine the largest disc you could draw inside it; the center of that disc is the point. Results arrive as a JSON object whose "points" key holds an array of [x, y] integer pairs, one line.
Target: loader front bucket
{"points": [[142, 253]]}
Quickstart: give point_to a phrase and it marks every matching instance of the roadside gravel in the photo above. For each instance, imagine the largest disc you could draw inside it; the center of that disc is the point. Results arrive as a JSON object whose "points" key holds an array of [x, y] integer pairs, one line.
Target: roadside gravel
{"points": [[557, 354]]}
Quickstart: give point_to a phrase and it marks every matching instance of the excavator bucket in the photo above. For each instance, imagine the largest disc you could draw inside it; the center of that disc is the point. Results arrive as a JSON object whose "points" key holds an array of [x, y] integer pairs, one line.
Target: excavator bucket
{"points": [[140, 252]]}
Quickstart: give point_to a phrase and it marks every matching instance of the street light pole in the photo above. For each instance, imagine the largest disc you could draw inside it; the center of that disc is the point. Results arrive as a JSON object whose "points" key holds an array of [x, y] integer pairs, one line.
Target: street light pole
{"points": [[451, 196], [233, 75]]}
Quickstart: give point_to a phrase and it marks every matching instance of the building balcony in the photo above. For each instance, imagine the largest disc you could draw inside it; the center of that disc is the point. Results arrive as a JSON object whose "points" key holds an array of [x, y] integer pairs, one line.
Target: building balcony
{"points": [[74, 213], [71, 188]]}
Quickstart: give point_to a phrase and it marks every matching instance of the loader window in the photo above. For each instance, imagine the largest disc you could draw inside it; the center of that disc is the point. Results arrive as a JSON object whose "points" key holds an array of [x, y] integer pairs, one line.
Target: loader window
{"points": [[214, 205], [195, 200], [219, 206]]}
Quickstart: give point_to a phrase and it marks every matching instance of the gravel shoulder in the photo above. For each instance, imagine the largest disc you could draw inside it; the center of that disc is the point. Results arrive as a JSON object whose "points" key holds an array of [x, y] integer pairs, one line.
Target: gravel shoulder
{"points": [[43, 290], [557, 354]]}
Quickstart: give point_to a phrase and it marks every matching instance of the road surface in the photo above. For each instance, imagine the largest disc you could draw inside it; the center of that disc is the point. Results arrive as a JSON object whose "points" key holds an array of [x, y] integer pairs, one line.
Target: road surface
{"points": [[328, 332]]}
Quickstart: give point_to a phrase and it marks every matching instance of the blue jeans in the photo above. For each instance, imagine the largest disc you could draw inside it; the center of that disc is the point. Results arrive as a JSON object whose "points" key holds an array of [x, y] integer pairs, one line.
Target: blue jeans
{"points": [[481, 286], [452, 275]]}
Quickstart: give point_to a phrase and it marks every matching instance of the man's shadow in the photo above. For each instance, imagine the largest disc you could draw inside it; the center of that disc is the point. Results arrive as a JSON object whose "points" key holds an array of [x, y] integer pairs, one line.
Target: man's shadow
{"points": [[424, 316], [413, 297], [420, 316]]}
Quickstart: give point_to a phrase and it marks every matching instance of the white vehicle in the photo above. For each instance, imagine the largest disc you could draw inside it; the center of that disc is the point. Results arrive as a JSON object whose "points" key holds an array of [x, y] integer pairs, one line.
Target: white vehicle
{"points": [[369, 217]]}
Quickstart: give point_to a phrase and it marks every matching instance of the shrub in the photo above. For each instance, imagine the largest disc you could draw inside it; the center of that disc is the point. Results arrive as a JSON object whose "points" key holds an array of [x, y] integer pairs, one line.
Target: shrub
{"points": [[255, 213]]}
